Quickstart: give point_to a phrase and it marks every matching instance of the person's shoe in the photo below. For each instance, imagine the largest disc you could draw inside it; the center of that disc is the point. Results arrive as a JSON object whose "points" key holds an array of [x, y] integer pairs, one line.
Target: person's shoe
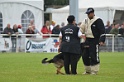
{"points": [[86, 73], [93, 73]]}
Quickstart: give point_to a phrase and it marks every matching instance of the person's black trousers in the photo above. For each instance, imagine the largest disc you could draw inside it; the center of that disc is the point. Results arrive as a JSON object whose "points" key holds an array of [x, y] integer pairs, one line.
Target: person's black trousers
{"points": [[70, 60], [91, 54]]}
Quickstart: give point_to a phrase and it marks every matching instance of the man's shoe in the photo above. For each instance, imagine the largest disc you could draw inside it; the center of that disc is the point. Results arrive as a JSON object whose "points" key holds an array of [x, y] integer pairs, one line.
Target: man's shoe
{"points": [[86, 73], [93, 73]]}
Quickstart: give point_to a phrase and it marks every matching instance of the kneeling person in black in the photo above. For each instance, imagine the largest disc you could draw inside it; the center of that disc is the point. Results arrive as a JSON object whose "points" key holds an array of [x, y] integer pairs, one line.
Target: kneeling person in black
{"points": [[70, 45]]}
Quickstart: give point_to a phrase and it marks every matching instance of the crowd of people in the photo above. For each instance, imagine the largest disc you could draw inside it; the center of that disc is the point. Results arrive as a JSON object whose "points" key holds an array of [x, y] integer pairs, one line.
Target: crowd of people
{"points": [[54, 28], [114, 28], [31, 29]]}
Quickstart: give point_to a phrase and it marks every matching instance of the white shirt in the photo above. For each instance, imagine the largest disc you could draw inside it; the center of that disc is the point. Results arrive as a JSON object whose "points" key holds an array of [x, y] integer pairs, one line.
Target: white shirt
{"points": [[51, 27], [20, 31]]}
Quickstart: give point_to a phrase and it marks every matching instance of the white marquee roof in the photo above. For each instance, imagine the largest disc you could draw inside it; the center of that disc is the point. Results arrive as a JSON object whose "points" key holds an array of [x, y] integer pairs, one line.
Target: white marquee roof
{"points": [[83, 4], [36, 3]]}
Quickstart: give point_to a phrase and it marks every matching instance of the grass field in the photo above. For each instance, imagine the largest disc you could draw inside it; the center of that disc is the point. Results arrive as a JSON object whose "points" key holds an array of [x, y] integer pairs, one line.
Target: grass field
{"points": [[27, 67]]}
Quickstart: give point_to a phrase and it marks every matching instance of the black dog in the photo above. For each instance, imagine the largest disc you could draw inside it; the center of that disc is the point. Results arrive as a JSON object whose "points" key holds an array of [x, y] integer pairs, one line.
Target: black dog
{"points": [[58, 61]]}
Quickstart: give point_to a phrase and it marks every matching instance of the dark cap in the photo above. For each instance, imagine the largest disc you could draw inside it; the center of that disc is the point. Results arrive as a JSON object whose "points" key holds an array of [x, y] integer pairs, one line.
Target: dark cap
{"points": [[90, 10]]}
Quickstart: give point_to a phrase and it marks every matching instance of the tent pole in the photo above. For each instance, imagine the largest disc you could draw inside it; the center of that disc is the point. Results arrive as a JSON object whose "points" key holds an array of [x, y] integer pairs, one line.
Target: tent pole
{"points": [[73, 5]]}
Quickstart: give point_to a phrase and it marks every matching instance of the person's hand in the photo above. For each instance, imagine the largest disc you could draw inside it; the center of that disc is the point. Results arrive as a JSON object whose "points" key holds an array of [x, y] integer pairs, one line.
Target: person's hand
{"points": [[59, 50], [32, 29], [101, 44], [17, 33], [84, 37], [9, 33]]}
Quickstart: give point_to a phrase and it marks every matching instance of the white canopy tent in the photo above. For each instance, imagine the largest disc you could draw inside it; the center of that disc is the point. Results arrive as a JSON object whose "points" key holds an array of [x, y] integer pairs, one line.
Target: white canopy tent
{"points": [[105, 9], [20, 12]]}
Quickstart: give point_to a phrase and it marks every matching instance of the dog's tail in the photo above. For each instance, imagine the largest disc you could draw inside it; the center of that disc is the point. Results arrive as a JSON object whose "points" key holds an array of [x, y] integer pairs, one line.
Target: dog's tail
{"points": [[44, 61]]}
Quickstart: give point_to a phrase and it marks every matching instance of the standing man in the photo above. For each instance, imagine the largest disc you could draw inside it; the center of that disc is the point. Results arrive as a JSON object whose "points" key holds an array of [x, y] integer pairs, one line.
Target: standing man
{"points": [[70, 45], [93, 28], [8, 30]]}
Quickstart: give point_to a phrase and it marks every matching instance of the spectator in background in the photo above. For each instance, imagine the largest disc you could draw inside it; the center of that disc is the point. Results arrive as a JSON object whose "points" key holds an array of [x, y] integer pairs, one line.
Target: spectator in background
{"points": [[56, 30], [15, 29], [20, 29], [123, 23], [52, 25], [8, 30], [113, 26], [29, 31], [121, 30], [62, 24], [31, 23], [35, 30], [115, 29], [46, 29], [14, 38], [108, 27], [19, 38]]}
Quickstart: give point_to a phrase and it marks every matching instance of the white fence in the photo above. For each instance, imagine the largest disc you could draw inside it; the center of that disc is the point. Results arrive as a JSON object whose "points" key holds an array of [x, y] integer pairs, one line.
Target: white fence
{"points": [[113, 43], [36, 43]]}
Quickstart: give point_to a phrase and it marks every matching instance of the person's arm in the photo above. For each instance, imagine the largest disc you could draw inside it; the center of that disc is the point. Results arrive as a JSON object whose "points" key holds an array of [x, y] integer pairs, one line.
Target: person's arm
{"points": [[101, 28], [82, 26], [60, 41], [81, 36]]}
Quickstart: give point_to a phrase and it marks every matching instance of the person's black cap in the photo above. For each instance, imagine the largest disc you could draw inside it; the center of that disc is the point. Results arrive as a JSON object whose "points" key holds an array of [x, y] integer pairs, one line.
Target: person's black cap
{"points": [[90, 10]]}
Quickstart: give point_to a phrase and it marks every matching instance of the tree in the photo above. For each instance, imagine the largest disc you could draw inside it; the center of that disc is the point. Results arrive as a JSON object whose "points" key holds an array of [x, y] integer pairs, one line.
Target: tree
{"points": [[55, 3]]}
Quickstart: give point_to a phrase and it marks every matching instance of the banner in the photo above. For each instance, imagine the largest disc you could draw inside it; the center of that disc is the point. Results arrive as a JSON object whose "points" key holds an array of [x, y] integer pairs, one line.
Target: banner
{"points": [[45, 45], [5, 44]]}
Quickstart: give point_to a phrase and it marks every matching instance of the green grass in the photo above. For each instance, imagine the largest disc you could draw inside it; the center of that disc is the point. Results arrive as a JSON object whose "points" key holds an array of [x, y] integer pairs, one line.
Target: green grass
{"points": [[27, 67]]}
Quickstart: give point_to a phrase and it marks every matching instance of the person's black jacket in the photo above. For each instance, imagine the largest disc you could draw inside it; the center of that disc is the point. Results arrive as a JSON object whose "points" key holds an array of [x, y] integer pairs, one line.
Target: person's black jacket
{"points": [[121, 31], [15, 31], [56, 30], [6, 31], [99, 30], [108, 29], [70, 39]]}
